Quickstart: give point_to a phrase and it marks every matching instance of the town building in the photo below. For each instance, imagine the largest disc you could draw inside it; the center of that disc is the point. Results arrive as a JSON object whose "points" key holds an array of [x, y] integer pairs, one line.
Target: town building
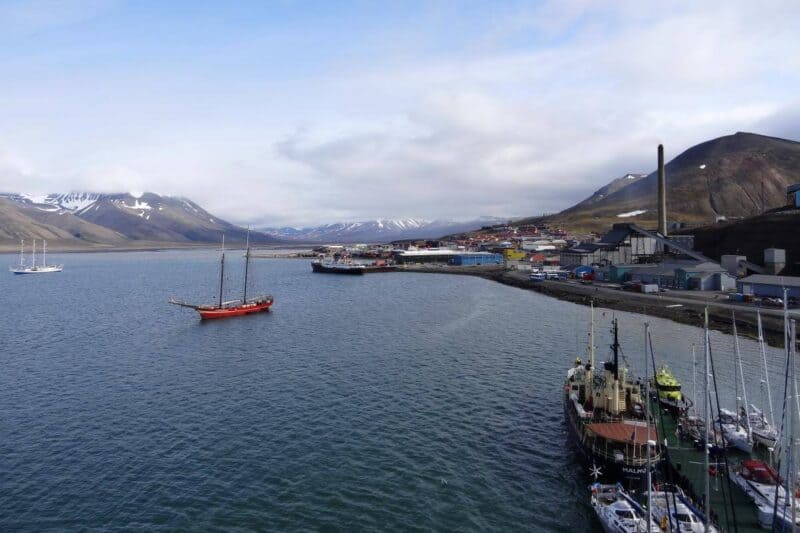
{"points": [[627, 244], [769, 286], [793, 195]]}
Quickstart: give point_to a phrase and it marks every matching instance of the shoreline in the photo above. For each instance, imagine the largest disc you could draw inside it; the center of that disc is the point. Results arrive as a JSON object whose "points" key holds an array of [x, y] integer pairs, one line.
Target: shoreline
{"points": [[662, 305], [144, 247]]}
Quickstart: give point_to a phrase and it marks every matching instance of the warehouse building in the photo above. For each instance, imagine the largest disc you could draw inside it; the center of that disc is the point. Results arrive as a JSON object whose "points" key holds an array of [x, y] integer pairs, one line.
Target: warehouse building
{"points": [[432, 255], [476, 258], [770, 286], [793, 194], [450, 257]]}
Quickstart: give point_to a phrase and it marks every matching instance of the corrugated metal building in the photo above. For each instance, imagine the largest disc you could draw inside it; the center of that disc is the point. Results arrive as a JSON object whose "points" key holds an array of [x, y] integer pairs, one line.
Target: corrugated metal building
{"points": [[704, 277], [434, 255], [793, 194], [476, 258], [772, 286]]}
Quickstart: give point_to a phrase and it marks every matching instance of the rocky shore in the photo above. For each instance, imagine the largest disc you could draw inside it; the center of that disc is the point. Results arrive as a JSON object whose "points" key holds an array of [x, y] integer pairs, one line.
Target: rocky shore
{"points": [[680, 309]]}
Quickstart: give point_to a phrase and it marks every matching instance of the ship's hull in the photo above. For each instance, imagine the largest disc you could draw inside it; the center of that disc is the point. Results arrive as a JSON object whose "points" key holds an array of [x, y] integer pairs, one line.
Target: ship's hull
{"points": [[611, 470], [353, 270], [233, 311], [42, 270], [675, 407]]}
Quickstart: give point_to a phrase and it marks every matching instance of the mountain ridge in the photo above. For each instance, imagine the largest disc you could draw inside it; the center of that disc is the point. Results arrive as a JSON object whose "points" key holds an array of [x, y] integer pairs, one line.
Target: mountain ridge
{"points": [[114, 219], [379, 230], [732, 176]]}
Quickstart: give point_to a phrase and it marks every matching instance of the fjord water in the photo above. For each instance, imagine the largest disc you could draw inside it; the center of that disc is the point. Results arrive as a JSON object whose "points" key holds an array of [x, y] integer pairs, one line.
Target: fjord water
{"points": [[384, 402]]}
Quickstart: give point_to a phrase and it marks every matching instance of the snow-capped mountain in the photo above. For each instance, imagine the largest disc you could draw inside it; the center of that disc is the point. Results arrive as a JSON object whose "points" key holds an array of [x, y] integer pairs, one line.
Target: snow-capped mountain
{"points": [[114, 218], [380, 230]]}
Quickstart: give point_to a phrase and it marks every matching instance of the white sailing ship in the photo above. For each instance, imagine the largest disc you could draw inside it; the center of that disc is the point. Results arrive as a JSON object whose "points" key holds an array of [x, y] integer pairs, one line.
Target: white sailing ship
{"points": [[33, 268]]}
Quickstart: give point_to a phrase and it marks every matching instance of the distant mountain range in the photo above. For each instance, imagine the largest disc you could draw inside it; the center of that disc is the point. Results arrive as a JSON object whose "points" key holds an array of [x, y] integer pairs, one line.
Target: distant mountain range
{"points": [[381, 230], [80, 219], [732, 177]]}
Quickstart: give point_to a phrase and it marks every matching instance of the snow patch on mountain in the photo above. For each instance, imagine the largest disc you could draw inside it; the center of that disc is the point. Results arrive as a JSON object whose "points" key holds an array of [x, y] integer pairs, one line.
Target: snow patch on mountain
{"points": [[632, 213], [379, 230]]}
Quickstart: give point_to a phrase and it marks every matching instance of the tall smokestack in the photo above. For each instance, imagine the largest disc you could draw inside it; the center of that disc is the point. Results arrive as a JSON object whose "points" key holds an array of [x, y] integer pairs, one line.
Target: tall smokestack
{"points": [[662, 193]]}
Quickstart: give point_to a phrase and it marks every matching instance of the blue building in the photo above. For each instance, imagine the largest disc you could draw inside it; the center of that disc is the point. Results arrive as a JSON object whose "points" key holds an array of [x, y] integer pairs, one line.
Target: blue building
{"points": [[793, 194], [476, 258], [772, 286]]}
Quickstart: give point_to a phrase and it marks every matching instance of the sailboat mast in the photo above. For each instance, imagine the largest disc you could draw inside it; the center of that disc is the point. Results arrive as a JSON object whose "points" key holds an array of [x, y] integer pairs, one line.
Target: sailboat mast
{"points": [[766, 371], [694, 379], [591, 338], [44, 253], [741, 375], [22, 253], [647, 421], [791, 471], [707, 502], [616, 351], [33, 254], [246, 266], [222, 271]]}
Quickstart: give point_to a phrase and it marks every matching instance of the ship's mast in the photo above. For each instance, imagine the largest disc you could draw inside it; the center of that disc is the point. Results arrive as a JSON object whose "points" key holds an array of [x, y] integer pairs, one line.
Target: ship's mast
{"points": [[44, 252], [22, 253], [33, 254], [221, 271], [246, 266]]}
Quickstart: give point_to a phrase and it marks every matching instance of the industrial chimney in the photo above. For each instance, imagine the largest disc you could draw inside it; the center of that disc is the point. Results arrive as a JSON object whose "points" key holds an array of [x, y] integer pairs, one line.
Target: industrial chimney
{"points": [[662, 193]]}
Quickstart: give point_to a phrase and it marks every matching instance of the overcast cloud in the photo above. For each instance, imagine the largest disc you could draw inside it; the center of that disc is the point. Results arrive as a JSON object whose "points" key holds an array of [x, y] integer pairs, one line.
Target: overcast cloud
{"points": [[301, 113]]}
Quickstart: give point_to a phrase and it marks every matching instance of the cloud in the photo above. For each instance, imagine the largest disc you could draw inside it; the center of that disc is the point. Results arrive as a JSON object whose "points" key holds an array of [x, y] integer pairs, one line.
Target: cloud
{"points": [[513, 111]]}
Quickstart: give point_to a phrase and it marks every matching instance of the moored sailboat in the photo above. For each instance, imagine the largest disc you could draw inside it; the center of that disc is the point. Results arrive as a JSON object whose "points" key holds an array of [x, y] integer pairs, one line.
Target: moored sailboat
{"points": [[226, 309], [618, 512], [761, 483], [44, 268], [761, 427]]}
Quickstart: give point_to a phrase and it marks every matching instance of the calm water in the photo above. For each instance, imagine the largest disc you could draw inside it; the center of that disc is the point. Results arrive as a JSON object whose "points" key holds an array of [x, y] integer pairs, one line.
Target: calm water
{"points": [[383, 402]]}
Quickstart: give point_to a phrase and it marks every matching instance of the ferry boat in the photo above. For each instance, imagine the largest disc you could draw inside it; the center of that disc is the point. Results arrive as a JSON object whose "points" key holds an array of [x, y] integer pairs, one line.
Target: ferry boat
{"points": [[232, 308], [345, 265], [606, 417], [44, 268], [333, 267], [668, 389]]}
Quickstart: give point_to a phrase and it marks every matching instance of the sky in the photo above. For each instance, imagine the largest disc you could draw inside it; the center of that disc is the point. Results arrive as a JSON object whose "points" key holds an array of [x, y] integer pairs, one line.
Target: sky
{"points": [[301, 113]]}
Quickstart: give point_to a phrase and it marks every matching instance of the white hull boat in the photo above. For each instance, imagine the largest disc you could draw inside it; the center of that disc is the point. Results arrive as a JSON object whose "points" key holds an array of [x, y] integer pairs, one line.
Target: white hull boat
{"points": [[618, 512], [760, 482], [44, 268]]}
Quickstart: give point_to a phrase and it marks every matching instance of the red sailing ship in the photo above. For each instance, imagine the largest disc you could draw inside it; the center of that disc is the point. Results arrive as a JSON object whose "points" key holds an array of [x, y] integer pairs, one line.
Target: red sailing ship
{"points": [[231, 308]]}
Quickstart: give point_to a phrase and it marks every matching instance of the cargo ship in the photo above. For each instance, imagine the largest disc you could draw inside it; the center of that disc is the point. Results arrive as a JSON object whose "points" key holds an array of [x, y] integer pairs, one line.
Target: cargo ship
{"points": [[606, 418]]}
